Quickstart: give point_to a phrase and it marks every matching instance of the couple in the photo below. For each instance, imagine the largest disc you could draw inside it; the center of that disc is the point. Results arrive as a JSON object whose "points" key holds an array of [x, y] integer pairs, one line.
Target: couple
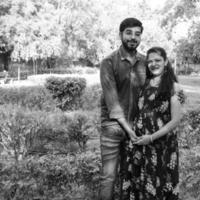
{"points": [[140, 107]]}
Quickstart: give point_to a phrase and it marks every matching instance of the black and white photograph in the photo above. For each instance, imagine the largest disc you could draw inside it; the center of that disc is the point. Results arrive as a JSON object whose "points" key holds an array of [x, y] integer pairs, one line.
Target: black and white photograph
{"points": [[99, 100]]}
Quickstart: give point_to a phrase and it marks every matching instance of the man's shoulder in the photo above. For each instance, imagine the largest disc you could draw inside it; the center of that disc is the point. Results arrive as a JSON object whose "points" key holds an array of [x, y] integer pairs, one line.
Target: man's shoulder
{"points": [[111, 56], [141, 56]]}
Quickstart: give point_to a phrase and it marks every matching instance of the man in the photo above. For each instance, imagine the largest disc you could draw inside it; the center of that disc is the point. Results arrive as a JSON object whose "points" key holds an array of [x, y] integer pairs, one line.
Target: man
{"points": [[122, 75]]}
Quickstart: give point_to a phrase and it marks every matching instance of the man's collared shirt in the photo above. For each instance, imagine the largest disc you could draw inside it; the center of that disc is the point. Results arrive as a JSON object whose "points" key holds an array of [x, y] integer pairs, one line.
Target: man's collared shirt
{"points": [[121, 82]]}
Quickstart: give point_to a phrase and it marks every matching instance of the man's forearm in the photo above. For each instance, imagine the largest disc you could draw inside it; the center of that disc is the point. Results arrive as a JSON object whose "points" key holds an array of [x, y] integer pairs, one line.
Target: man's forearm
{"points": [[124, 124], [127, 128]]}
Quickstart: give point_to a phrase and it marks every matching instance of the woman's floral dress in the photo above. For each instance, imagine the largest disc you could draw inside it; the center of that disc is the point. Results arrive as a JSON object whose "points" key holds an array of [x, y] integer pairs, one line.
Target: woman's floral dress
{"points": [[150, 172]]}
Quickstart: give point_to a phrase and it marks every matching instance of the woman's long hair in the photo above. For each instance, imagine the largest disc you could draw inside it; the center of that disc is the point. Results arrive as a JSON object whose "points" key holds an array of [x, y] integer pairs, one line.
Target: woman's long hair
{"points": [[165, 89]]}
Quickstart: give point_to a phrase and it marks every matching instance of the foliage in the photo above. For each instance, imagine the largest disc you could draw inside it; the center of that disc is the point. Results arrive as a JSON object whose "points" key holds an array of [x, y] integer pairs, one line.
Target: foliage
{"points": [[26, 132], [180, 21], [50, 28], [77, 129], [34, 97], [195, 40], [34, 31], [83, 126], [4, 7], [13, 131], [66, 91], [188, 49], [91, 97], [177, 12], [88, 30], [44, 155], [190, 156], [74, 30], [51, 177], [184, 50], [60, 71]]}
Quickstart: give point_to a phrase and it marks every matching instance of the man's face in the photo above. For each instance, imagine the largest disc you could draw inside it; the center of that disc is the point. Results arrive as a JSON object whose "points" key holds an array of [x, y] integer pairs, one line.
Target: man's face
{"points": [[131, 38]]}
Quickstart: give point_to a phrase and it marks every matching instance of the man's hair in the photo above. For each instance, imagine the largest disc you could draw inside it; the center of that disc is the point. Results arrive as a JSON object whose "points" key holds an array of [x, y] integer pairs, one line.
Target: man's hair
{"points": [[130, 22]]}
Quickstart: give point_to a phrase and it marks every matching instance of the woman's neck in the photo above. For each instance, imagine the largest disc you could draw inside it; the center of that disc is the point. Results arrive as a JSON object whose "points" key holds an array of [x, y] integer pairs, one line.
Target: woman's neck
{"points": [[155, 81]]}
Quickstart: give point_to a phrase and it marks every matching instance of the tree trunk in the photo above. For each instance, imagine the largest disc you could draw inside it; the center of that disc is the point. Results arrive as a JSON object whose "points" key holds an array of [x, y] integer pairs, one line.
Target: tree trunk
{"points": [[18, 73]]}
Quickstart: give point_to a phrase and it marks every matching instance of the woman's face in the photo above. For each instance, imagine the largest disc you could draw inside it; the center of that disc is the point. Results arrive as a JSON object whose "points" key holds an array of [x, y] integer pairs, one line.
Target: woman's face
{"points": [[156, 64]]}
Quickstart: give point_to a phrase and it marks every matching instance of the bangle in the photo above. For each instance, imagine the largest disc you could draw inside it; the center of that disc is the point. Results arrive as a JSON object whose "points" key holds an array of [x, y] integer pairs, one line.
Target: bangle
{"points": [[151, 138]]}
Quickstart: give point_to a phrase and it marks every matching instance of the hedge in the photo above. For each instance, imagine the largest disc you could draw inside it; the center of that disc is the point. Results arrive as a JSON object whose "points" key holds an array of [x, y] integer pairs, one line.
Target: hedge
{"points": [[55, 177], [34, 97], [66, 91]]}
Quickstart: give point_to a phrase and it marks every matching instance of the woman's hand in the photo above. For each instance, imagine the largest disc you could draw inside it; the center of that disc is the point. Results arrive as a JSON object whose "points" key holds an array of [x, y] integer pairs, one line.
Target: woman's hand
{"points": [[132, 136], [144, 140]]}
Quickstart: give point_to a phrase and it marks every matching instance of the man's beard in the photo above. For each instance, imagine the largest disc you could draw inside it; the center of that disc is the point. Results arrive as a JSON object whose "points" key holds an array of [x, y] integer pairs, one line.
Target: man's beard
{"points": [[130, 48]]}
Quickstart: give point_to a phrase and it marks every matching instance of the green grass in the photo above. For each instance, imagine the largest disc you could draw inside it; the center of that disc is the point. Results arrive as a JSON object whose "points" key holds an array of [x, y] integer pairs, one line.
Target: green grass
{"points": [[193, 101], [190, 80], [191, 86]]}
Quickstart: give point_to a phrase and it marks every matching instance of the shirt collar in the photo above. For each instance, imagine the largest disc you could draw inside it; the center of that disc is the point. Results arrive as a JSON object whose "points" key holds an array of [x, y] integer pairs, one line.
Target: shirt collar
{"points": [[124, 55]]}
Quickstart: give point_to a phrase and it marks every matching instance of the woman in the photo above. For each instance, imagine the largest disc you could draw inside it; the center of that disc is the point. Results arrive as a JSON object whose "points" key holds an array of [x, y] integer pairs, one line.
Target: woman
{"points": [[151, 163]]}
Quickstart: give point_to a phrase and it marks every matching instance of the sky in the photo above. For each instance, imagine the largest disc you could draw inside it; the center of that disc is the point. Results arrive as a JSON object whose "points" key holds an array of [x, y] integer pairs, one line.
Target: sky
{"points": [[156, 4]]}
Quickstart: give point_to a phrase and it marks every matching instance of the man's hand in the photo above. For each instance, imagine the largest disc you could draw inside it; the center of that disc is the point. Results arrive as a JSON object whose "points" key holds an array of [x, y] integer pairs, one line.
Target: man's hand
{"points": [[125, 125], [143, 140], [132, 136]]}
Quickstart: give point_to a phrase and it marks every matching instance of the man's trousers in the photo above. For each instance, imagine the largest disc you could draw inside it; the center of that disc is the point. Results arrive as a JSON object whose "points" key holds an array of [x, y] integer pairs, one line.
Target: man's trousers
{"points": [[111, 141]]}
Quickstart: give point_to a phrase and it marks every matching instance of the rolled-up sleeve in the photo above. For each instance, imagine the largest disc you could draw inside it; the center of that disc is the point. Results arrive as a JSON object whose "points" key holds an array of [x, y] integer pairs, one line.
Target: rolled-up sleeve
{"points": [[108, 83]]}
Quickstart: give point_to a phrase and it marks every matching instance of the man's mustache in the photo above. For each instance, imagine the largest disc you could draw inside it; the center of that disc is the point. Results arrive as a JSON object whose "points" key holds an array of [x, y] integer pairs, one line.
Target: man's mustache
{"points": [[134, 41]]}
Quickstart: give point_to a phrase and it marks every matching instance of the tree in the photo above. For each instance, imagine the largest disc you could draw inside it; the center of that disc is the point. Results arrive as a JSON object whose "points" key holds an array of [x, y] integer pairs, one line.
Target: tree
{"points": [[175, 12], [188, 50], [32, 28], [195, 39], [73, 30]]}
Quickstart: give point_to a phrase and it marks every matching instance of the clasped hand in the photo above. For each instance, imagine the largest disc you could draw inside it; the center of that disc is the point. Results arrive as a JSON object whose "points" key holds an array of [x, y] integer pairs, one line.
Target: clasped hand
{"points": [[142, 140]]}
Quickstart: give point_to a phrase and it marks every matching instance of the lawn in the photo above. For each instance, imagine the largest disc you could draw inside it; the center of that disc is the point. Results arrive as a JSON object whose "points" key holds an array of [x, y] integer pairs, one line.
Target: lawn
{"points": [[191, 86], [190, 80]]}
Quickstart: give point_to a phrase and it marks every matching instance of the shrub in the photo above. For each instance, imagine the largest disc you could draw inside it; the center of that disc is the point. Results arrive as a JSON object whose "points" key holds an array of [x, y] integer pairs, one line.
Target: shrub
{"points": [[51, 177], [66, 91], [34, 97], [91, 97], [94, 123], [24, 132], [82, 126], [190, 156], [23, 74], [60, 71], [77, 129], [13, 130], [189, 130]]}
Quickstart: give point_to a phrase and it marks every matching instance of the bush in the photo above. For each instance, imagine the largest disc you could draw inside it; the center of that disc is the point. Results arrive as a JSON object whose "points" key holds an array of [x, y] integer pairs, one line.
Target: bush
{"points": [[190, 156], [51, 177], [23, 74], [83, 126], [34, 98], [66, 91], [77, 129], [24, 132], [91, 97], [60, 71], [43, 154]]}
